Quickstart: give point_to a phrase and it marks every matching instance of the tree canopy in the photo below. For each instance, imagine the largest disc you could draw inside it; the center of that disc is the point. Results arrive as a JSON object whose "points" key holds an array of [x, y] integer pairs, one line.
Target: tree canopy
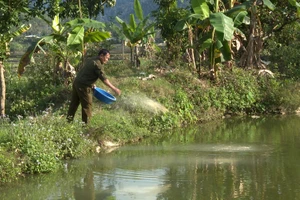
{"points": [[72, 8]]}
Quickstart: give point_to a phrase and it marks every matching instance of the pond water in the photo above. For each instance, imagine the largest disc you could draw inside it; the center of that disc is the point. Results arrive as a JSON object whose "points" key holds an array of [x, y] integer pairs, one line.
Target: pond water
{"points": [[233, 159]]}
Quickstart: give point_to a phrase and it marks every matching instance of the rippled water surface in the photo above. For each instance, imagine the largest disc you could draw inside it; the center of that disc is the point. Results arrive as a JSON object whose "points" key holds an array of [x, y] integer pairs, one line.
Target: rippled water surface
{"points": [[235, 159]]}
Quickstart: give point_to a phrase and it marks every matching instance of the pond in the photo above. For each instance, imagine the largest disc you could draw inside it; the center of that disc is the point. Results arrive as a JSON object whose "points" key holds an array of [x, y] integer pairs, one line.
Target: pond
{"points": [[241, 158]]}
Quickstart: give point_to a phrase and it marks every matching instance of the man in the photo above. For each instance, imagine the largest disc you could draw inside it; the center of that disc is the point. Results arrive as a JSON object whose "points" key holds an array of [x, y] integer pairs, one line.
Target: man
{"points": [[84, 84]]}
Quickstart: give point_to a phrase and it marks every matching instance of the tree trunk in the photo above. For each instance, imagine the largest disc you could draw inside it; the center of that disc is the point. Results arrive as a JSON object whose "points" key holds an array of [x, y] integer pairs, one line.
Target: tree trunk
{"points": [[123, 42], [136, 57], [197, 55], [131, 56], [251, 57], [2, 90], [191, 49]]}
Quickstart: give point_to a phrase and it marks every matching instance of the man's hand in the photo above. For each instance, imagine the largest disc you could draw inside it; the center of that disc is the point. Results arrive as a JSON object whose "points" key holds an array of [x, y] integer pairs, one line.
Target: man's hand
{"points": [[117, 91], [111, 86]]}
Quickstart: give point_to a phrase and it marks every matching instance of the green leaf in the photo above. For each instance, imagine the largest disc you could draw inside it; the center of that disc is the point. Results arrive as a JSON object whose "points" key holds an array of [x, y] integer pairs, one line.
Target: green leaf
{"points": [[205, 45], [48, 38], [21, 30], [240, 18], [195, 16], [180, 25], [132, 22], [222, 24], [201, 8], [138, 10], [269, 4], [225, 50], [76, 36], [96, 36], [297, 5], [89, 23], [55, 23], [57, 38], [294, 3], [126, 31], [119, 20], [239, 8]]}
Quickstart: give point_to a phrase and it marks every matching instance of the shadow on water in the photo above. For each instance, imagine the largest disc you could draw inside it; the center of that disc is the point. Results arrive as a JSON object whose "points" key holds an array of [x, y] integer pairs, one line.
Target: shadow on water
{"points": [[233, 159]]}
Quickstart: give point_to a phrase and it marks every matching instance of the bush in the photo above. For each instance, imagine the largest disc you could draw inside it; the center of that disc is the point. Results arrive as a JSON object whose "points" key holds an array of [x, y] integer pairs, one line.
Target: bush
{"points": [[238, 90], [32, 94], [289, 96], [42, 142], [9, 168], [283, 52]]}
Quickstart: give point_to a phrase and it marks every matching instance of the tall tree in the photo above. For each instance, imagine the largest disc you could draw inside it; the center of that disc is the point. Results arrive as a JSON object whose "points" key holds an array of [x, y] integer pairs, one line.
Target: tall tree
{"points": [[65, 42], [72, 8], [14, 12], [257, 35], [11, 14], [167, 15], [251, 57]]}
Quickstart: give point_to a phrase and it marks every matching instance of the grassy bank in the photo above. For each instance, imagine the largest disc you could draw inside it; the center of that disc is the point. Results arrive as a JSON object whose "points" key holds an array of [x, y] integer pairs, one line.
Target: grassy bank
{"points": [[35, 137]]}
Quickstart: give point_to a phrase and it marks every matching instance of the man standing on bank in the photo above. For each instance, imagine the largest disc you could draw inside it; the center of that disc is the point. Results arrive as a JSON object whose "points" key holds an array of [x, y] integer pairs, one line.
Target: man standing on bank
{"points": [[84, 84]]}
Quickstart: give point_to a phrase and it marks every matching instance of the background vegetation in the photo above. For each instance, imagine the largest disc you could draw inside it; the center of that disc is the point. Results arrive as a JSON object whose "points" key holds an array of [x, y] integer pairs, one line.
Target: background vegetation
{"points": [[35, 136]]}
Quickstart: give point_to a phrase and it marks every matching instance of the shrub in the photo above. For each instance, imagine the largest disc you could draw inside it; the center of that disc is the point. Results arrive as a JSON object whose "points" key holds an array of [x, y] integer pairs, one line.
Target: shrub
{"points": [[238, 90], [31, 95], [9, 168], [42, 142], [283, 51]]}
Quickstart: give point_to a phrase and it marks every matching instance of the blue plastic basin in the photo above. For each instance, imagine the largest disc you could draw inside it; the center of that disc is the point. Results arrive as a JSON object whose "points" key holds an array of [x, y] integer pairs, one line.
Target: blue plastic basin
{"points": [[104, 96]]}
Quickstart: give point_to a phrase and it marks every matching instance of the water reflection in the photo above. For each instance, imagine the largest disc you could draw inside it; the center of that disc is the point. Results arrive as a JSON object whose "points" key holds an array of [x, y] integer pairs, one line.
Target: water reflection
{"points": [[179, 171], [236, 159]]}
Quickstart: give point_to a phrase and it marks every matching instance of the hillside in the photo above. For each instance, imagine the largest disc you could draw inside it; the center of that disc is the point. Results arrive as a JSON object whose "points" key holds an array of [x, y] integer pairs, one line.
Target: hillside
{"points": [[124, 8]]}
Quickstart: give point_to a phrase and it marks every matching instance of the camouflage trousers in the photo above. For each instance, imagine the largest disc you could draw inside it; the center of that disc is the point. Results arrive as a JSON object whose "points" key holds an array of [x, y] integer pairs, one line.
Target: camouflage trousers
{"points": [[81, 95]]}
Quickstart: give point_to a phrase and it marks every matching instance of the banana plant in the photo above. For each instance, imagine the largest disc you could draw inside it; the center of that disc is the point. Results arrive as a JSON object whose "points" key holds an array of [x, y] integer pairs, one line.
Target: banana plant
{"points": [[136, 32], [66, 41], [5, 39], [217, 27]]}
